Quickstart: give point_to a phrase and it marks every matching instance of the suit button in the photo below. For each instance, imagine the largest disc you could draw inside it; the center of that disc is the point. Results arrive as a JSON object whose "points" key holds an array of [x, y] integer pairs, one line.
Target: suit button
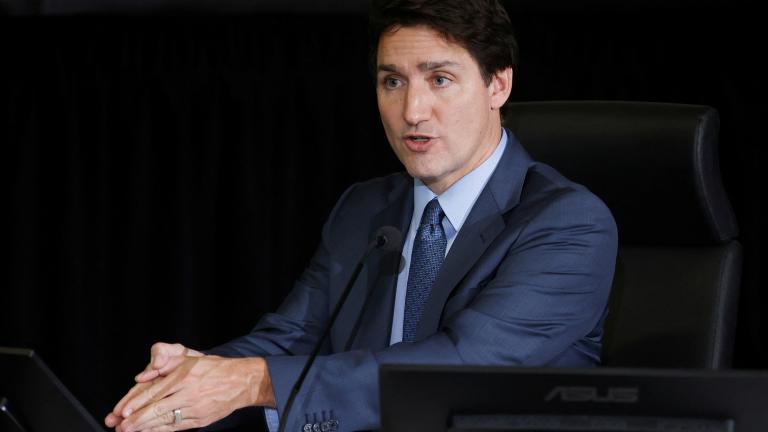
{"points": [[316, 427], [307, 427], [330, 426]]}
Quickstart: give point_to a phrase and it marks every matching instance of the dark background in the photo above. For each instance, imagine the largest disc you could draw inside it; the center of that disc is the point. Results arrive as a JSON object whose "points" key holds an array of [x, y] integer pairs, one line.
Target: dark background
{"points": [[169, 170]]}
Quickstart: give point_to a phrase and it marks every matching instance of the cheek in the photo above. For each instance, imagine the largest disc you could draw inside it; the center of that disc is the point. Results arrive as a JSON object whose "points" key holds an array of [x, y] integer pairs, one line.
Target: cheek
{"points": [[388, 113], [468, 113], [454, 105]]}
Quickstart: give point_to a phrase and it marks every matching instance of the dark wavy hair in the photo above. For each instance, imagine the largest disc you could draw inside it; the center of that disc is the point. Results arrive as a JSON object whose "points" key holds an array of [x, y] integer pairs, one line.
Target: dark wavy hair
{"points": [[482, 27]]}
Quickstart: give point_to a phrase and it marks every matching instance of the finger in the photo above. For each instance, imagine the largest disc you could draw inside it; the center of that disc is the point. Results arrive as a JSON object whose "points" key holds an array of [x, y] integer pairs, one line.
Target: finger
{"points": [[169, 366], [156, 356], [165, 358], [156, 389], [160, 413], [147, 375], [172, 364], [161, 352], [112, 420], [184, 425], [156, 414], [150, 393], [135, 390]]}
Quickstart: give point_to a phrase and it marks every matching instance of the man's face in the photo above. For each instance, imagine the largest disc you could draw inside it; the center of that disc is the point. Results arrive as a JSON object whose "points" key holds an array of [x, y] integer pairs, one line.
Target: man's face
{"points": [[440, 117]]}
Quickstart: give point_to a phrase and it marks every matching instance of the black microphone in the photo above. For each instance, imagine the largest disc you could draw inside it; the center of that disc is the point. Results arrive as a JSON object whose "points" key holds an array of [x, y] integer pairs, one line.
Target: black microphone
{"points": [[388, 238]]}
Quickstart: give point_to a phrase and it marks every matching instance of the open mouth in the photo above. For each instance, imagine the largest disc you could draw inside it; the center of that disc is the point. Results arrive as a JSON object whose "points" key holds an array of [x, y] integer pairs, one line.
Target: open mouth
{"points": [[418, 142]]}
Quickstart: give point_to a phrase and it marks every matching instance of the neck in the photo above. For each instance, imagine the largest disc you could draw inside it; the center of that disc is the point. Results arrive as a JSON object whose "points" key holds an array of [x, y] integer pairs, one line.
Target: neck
{"points": [[440, 185]]}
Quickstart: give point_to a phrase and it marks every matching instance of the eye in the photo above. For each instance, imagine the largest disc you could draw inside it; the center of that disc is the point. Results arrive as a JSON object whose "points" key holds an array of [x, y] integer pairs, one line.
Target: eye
{"points": [[441, 81], [391, 83]]}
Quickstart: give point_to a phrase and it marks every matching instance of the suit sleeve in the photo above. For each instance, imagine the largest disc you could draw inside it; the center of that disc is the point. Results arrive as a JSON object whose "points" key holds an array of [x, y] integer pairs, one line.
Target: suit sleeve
{"points": [[547, 295]]}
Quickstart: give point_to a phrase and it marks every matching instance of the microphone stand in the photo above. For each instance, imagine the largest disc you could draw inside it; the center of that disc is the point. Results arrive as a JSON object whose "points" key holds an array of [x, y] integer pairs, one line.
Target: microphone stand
{"points": [[381, 239]]}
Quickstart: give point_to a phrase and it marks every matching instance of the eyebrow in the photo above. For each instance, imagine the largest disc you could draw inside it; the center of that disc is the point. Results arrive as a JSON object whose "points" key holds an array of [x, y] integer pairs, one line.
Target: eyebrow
{"points": [[426, 66]]}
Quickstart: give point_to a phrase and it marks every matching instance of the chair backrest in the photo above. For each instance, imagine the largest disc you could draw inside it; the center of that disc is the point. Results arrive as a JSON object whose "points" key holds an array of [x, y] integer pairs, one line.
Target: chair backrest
{"points": [[655, 165]]}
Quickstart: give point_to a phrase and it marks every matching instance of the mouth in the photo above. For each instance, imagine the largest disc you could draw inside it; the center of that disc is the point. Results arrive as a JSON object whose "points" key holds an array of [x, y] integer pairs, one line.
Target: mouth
{"points": [[418, 143]]}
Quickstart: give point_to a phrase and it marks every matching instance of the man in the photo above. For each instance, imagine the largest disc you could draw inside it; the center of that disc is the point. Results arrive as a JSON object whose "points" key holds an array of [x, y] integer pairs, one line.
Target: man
{"points": [[504, 261]]}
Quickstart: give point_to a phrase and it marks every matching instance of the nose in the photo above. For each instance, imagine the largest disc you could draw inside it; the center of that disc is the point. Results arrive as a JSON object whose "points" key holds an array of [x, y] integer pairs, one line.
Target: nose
{"points": [[418, 105]]}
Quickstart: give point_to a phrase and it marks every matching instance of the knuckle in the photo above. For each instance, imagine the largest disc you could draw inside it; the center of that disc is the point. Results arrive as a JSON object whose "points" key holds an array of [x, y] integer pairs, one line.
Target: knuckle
{"points": [[149, 393], [157, 346], [167, 417]]}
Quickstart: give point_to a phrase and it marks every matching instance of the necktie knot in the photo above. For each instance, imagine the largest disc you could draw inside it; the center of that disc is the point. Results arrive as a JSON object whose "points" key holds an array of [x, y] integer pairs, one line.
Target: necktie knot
{"points": [[433, 213]]}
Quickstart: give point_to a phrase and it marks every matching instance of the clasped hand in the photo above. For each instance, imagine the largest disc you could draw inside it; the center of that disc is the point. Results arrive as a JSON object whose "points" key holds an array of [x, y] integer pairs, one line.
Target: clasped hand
{"points": [[204, 388]]}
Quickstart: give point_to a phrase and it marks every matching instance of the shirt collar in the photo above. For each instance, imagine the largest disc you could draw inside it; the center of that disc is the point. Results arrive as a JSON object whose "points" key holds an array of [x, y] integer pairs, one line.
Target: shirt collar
{"points": [[459, 199]]}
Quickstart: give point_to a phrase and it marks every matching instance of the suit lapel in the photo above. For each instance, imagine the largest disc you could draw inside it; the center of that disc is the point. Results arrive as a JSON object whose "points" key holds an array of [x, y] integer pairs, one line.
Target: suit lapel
{"points": [[372, 329], [484, 223]]}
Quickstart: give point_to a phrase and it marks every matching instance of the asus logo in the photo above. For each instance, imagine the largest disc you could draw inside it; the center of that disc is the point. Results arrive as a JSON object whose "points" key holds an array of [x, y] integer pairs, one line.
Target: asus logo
{"points": [[593, 394]]}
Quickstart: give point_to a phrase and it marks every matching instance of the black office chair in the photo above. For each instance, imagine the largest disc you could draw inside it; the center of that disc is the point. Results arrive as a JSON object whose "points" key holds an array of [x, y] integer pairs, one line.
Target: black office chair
{"points": [[678, 272]]}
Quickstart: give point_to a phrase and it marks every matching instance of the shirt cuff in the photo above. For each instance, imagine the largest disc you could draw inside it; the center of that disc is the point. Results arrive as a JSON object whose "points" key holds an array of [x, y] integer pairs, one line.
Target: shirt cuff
{"points": [[273, 420]]}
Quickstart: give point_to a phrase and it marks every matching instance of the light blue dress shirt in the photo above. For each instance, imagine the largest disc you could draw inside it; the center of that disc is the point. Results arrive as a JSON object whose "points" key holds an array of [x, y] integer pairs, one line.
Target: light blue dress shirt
{"points": [[456, 202]]}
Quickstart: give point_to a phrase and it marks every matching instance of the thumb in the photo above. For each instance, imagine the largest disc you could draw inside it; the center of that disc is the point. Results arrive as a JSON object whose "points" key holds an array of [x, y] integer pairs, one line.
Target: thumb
{"points": [[164, 359], [152, 371], [160, 368], [147, 374], [158, 361], [170, 363]]}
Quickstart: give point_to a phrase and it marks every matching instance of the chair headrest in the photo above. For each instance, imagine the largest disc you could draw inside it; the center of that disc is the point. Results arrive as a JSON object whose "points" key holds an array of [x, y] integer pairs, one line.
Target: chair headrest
{"points": [[655, 165]]}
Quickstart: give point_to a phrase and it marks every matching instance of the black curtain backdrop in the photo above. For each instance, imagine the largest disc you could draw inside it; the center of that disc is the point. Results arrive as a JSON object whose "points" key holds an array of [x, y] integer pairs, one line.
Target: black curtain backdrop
{"points": [[169, 176]]}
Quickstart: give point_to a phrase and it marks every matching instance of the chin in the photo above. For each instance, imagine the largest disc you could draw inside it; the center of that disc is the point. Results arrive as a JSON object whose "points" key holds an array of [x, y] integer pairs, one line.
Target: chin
{"points": [[419, 172], [422, 168]]}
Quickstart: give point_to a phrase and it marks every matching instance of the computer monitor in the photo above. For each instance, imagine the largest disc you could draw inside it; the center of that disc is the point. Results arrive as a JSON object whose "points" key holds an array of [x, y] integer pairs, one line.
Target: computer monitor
{"points": [[474, 398], [32, 399]]}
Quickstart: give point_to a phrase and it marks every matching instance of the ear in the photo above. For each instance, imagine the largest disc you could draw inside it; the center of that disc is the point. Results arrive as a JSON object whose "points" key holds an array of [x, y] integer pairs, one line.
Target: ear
{"points": [[500, 88]]}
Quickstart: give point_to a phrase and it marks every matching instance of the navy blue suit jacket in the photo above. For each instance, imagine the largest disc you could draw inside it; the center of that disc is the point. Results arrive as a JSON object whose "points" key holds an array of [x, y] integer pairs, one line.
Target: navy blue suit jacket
{"points": [[526, 282]]}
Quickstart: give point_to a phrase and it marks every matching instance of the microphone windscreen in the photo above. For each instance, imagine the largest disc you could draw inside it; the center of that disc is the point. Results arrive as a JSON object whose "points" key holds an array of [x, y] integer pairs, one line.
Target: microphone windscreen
{"points": [[389, 238]]}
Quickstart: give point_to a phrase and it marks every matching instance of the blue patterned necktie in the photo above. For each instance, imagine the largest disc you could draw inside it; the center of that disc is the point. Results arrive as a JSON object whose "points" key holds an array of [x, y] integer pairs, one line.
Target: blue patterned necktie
{"points": [[426, 260]]}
